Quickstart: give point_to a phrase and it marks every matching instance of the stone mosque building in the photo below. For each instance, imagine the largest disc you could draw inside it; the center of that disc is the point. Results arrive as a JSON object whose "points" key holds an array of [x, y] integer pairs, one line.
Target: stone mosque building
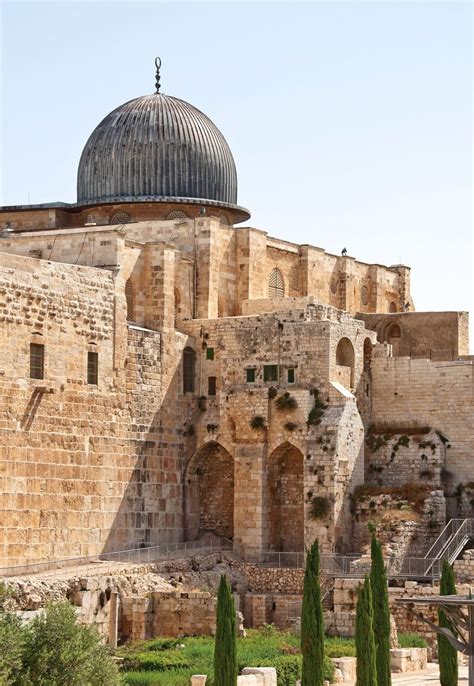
{"points": [[169, 372]]}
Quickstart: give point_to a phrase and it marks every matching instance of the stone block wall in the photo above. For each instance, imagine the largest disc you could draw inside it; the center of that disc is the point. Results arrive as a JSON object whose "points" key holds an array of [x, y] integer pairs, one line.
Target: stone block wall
{"points": [[439, 395], [167, 614]]}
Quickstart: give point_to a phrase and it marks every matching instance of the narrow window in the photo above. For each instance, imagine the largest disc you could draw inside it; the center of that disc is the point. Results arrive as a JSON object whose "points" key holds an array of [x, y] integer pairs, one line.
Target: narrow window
{"points": [[270, 372], [250, 375], [93, 368], [36, 361], [210, 353], [291, 375], [189, 363], [211, 385]]}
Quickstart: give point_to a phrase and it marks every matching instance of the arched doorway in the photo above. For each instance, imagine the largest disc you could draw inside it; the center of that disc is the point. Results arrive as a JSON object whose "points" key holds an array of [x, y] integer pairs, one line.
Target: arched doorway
{"points": [[345, 362], [209, 493], [285, 498], [367, 353]]}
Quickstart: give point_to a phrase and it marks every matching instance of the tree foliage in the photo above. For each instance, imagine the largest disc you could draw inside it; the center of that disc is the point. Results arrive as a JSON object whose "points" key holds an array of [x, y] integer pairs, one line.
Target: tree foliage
{"points": [[378, 582], [312, 623], [53, 650], [364, 638], [447, 654], [225, 645]]}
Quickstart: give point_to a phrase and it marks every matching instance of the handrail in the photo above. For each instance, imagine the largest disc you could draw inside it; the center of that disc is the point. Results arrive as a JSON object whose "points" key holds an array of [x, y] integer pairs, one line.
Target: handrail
{"points": [[450, 542], [145, 555]]}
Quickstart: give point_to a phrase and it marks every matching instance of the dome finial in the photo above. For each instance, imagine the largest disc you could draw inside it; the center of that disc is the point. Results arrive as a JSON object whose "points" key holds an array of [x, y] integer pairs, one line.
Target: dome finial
{"points": [[158, 66]]}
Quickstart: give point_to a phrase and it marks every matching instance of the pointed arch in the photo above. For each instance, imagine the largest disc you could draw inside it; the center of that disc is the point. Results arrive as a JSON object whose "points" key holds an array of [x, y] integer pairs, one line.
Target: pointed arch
{"points": [[276, 285], [285, 499], [209, 492]]}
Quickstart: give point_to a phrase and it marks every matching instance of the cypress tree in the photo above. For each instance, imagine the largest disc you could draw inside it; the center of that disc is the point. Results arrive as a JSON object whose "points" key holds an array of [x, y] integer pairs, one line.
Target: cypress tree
{"points": [[225, 644], [447, 654], [364, 638], [378, 582], [312, 623]]}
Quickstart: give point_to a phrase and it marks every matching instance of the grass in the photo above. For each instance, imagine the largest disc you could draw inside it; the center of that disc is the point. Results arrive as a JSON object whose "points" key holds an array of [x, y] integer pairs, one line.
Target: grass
{"points": [[161, 662], [411, 641]]}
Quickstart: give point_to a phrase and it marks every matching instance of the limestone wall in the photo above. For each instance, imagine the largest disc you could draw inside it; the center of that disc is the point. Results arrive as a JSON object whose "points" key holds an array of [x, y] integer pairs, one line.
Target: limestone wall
{"points": [[431, 335], [167, 614], [84, 467], [439, 395]]}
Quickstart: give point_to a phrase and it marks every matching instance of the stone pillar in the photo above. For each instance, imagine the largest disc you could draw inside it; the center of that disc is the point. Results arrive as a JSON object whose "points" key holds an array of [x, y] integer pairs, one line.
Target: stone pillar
{"points": [[159, 281], [251, 265], [207, 257], [250, 526], [113, 620]]}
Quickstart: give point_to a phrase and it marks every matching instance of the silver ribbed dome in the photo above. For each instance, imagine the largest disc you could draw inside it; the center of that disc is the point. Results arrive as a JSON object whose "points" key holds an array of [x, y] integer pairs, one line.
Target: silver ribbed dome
{"points": [[156, 147]]}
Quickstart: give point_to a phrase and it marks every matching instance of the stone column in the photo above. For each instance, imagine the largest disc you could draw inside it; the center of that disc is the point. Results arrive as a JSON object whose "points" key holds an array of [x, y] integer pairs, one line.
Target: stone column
{"points": [[250, 526]]}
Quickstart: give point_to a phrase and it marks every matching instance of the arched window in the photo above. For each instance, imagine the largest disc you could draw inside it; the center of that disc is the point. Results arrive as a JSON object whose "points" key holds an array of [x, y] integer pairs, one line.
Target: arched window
{"points": [[120, 218], [392, 331], [392, 307], [177, 214], [345, 358], [130, 298], [189, 365], [364, 295], [276, 287], [367, 352]]}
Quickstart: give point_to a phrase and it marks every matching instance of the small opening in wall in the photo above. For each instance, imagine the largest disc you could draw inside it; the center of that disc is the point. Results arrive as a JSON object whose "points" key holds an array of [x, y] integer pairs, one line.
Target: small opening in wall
{"points": [[291, 375], [209, 353], [93, 368], [189, 364], [250, 374], [36, 361], [211, 385], [270, 372]]}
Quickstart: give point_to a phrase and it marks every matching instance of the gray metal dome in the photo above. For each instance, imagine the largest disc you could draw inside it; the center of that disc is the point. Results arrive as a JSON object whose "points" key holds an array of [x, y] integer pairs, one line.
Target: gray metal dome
{"points": [[153, 148]]}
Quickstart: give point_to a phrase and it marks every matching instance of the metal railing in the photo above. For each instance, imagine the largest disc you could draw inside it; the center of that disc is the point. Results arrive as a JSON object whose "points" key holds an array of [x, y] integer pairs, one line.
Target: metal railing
{"points": [[450, 542], [145, 555], [354, 566]]}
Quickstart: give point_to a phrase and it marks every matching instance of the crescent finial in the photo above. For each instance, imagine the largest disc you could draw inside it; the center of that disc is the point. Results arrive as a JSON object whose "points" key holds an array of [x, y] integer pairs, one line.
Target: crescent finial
{"points": [[157, 78]]}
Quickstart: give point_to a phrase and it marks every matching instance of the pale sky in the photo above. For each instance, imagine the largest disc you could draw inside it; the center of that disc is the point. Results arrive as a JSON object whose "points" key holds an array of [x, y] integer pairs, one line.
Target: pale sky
{"points": [[350, 123]]}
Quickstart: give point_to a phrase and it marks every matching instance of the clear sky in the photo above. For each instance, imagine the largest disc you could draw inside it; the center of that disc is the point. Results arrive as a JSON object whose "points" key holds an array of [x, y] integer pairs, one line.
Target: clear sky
{"points": [[350, 123]]}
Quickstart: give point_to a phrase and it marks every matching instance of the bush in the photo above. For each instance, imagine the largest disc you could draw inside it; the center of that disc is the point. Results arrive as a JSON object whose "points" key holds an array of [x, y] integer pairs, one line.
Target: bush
{"points": [[60, 652], [11, 647], [257, 422], [286, 402], [319, 507], [340, 647], [288, 668], [410, 640], [142, 679]]}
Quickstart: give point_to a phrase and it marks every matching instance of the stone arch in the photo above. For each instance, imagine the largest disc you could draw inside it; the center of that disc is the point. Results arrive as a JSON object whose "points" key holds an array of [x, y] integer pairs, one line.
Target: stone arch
{"points": [[285, 499], [345, 357], [367, 352], [120, 217], [392, 332], [392, 307], [209, 493], [130, 298], [189, 370], [276, 285], [177, 214]]}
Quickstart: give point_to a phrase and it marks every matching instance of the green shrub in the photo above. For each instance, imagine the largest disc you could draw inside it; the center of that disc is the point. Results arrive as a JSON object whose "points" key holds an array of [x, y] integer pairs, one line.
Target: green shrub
{"points": [[160, 644], [286, 402], [410, 640], [319, 507], [60, 652], [155, 661], [257, 422], [340, 647]]}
